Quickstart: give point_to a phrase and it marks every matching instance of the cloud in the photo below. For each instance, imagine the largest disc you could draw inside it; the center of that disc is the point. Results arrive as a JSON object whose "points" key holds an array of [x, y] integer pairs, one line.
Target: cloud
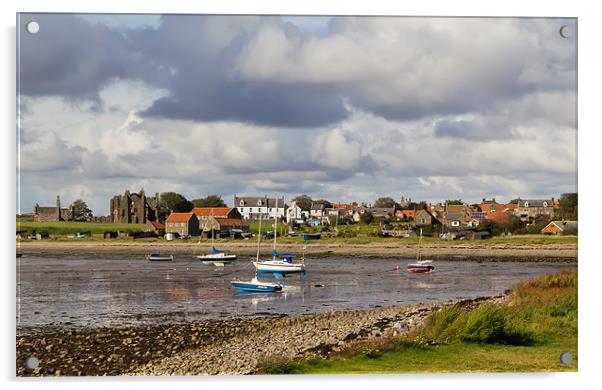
{"points": [[74, 59], [347, 109], [45, 151]]}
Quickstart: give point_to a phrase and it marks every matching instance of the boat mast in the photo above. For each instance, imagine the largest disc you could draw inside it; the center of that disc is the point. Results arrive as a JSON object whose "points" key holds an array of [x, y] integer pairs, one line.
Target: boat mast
{"points": [[259, 236], [419, 242], [275, 229], [212, 230]]}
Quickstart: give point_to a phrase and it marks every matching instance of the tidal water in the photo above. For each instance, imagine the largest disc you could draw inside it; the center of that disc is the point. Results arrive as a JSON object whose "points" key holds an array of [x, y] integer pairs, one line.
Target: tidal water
{"points": [[124, 290]]}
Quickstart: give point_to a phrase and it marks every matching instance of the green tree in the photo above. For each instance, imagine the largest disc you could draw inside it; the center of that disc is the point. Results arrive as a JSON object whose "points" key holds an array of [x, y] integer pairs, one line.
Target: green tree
{"points": [[172, 202], [417, 206], [568, 206], [81, 212], [209, 201], [386, 202], [326, 203], [454, 201], [303, 201], [366, 218]]}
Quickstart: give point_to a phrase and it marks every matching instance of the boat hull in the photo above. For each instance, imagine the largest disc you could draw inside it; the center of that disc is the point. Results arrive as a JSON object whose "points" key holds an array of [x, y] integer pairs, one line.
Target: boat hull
{"points": [[209, 259], [420, 269], [281, 267], [161, 258], [254, 287]]}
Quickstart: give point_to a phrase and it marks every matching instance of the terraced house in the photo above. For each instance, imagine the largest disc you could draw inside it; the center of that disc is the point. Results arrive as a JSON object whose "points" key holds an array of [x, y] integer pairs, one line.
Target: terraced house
{"points": [[531, 209], [251, 207]]}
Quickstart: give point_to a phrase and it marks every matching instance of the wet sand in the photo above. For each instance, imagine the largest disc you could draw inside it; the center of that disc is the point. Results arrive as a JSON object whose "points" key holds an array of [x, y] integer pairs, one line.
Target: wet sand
{"points": [[441, 251]]}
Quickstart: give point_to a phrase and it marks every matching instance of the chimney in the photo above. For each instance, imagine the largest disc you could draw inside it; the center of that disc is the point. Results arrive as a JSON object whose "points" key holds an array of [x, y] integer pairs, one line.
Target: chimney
{"points": [[483, 200], [493, 199]]}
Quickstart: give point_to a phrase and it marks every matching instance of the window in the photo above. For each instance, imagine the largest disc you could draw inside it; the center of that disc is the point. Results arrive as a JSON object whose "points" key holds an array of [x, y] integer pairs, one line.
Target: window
{"points": [[242, 202], [545, 204], [526, 204], [259, 202]]}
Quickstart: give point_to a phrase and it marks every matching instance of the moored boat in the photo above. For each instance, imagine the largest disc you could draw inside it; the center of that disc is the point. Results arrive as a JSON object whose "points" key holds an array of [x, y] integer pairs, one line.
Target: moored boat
{"points": [[281, 263], [312, 236], [159, 257], [420, 266], [255, 285], [217, 257]]}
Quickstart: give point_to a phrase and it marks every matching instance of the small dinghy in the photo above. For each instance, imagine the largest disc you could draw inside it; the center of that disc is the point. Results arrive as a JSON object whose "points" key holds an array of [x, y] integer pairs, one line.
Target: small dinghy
{"points": [[217, 257], [312, 236], [255, 285], [159, 257], [421, 267]]}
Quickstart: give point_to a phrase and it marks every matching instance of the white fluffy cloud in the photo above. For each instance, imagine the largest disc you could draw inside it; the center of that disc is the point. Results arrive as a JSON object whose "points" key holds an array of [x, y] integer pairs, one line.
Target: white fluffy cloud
{"points": [[344, 109]]}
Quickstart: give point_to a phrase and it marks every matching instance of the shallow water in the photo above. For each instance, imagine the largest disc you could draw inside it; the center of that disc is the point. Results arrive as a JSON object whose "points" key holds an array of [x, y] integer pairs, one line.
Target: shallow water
{"points": [[123, 290]]}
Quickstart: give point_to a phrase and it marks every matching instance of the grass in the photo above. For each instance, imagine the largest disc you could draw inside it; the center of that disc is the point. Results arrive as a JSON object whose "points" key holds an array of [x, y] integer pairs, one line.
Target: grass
{"points": [[66, 228], [527, 333], [358, 234]]}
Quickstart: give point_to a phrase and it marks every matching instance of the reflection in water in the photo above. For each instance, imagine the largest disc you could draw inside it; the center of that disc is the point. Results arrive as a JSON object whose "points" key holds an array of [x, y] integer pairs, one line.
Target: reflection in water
{"points": [[85, 290]]}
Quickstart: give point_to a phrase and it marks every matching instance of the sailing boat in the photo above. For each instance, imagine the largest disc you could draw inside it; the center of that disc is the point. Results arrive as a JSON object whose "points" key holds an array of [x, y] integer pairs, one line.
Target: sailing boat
{"points": [[216, 257], [281, 263], [420, 266], [254, 285]]}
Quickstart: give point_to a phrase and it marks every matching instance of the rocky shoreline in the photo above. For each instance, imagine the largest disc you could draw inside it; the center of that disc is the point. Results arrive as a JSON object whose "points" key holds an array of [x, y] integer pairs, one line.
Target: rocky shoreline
{"points": [[216, 347]]}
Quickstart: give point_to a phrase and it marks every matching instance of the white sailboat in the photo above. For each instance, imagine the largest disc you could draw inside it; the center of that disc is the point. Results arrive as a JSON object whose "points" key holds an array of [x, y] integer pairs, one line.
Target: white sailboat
{"points": [[281, 263], [216, 257], [254, 285], [420, 266]]}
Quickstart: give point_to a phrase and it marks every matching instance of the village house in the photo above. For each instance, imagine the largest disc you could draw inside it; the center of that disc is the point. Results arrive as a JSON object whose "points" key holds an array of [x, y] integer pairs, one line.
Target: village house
{"points": [[295, 214], [183, 224], [381, 212], [216, 212], [456, 215], [222, 220], [155, 227], [558, 228], [251, 207], [405, 215], [424, 218], [317, 210], [528, 210]]}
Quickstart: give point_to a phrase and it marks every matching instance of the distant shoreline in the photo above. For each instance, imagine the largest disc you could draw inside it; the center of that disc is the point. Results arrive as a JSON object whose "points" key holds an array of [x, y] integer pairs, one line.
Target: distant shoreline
{"points": [[457, 251]]}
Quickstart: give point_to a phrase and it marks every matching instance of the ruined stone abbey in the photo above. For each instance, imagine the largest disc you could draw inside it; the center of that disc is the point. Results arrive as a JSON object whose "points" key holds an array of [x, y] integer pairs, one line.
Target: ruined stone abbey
{"points": [[134, 207], [52, 214]]}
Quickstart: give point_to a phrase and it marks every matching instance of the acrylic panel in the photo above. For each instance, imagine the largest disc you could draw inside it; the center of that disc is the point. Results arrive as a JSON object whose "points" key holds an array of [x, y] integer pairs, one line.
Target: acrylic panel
{"points": [[248, 194]]}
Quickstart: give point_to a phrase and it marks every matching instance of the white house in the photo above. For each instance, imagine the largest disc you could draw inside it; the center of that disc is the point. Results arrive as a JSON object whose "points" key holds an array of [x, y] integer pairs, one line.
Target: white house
{"points": [[294, 213], [251, 207]]}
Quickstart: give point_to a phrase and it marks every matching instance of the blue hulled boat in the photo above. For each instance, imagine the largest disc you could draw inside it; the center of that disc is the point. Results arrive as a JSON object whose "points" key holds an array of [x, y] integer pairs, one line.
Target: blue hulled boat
{"points": [[255, 285]]}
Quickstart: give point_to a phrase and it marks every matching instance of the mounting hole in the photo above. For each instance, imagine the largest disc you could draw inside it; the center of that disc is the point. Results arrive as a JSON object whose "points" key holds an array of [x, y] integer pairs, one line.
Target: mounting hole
{"points": [[566, 358], [566, 31], [32, 27], [32, 362]]}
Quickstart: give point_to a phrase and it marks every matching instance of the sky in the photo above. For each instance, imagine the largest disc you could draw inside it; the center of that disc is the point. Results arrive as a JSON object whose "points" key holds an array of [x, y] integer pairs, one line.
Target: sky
{"points": [[340, 108]]}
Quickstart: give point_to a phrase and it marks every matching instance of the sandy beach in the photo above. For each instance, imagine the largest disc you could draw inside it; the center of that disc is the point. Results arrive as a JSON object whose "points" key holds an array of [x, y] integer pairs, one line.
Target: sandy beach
{"points": [[440, 251]]}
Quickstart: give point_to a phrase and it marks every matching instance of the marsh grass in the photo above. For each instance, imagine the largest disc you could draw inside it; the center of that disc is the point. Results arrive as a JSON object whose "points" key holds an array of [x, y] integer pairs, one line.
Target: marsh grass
{"points": [[527, 332]]}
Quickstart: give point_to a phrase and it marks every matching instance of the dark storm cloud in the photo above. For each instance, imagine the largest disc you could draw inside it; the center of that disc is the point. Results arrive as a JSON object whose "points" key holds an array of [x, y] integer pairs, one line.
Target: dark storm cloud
{"points": [[68, 57], [202, 51]]}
